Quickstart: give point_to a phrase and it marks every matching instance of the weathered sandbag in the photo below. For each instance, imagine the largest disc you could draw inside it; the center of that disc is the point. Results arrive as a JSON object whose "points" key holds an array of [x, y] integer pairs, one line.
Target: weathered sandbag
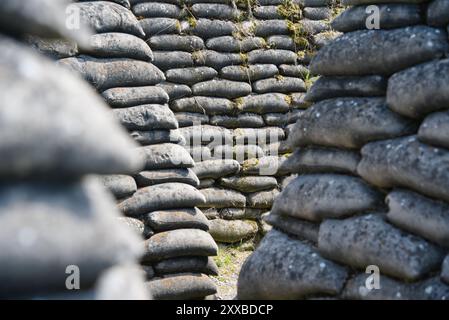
{"points": [[298, 71], [445, 270], [369, 240], [134, 224], [204, 265], [286, 268], [262, 199], [181, 287], [384, 52], [191, 76], [282, 119], [391, 289], [297, 100], [265, 166], [158, 26], [182, 175], [134, 96], [206, 183], [333, 87], [264, 103], [111, 73], [437, 13], [281, 84], [176, 219], [40, 221], [299, 228], [349, 123], [174, 42], [407, 162], [267, 28], [124, 3], [242, 120], [215, 11], [165, 156], [156, 10], [232, 44], [199, 153], [267, 12], [249, 183], [105, 16], [318, 13], [187, 119], [118, 45], [206, 134], [165, 60], [216, 169], [222, 88], [239, 213], [232, 231], [391, 15], [157, 136], [419, 90], [434, 130], [249, 73], [312, 27], [120, 186], [419, 215], [174, 90], [206, 105], [272, 56], [284, 42], [321, 160], [322, 39], [222, 198], [162, 196], [146, 117], [179, 243], [206, 28], [53, 48], [64, 102], [319, 196], [239, 152]]}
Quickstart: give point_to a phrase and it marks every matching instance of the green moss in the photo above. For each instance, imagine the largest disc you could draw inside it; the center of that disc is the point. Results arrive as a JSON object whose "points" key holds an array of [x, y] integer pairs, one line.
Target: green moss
{"points": [[288, 99]]}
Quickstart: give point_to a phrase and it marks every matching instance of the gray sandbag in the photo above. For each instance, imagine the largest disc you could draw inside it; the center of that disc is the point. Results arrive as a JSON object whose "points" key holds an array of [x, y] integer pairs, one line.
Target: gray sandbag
{"points": [[134, 96], [267, 28], [232, 231], [369, 240], [215, 11], [124, 3], [181, 287], [161, 196], [105, 16], [316, 197], [322, 39], [134, 224], [156, 10], [419, 90], [222, 198], [165, 60], [384, 52], [321, 160], [118, 45], [222, 89], [445, 270], [187, 119], [216, 60], [262, 199], [249, 183], [191, 76], [298, 71], [272, 56], [297, 100], [260, 135], [232, 44], [53, 48], [267, 12], [265, 166], [419, 215], [284, 43], [121, 186], [349, 123], [437, 13], [206, 183], [286, 268], [238, 152], [174, 90], [216, 169], [249, 73], [176, 219], [302, 229], [312, 27], [265, 103], [391, 15], [333, 87], [199, 153], [165, 156], [242, 120], [206, 28], [146, 117], [408, 163], [158, 26], [157, 136], [317, 13], [205, 265], [434, 130], [391, 289], [179, 243], [46, 227], [207, 135], [281, 84], [69, 122], [205, 105], [182, 175], [239, 213], [174, 42], [111, 73]]}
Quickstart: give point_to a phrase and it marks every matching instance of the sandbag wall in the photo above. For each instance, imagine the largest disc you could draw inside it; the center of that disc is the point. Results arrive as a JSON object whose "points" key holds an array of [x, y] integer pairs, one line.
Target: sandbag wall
{"points": [[372, 154], [160, 201], [59, 234], [236, 76]]}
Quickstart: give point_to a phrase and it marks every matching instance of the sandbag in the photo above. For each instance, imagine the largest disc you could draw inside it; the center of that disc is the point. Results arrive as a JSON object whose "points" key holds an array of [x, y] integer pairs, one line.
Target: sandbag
{"points": [[134, 96], [175, 91], [165, 156], [436, 13], [165, 60], [232, 44], [120, 186], [156, 10], [191, 76], [282, 85], [157, 136], [216, 169], [434, 130], [262, 199], [205, 105], [182, 175], [242, 120], [272, 56], [249, 183], [158, 26], [146, 117], [249, 73], [265, 103], [232, 231], [222, 89], [216, 60], [301, 229], [176, 219], [204, 265], [222, 198]]}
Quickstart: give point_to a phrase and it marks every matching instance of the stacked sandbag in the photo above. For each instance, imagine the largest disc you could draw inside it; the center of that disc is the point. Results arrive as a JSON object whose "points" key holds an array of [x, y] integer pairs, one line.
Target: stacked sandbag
{"points": [[161, 201], [59, 230], [236, 76], [373, 162]]}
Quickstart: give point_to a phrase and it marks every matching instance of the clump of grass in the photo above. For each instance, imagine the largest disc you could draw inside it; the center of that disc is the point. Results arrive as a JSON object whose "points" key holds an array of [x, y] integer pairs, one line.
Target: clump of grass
{"points": [[289, 10]]}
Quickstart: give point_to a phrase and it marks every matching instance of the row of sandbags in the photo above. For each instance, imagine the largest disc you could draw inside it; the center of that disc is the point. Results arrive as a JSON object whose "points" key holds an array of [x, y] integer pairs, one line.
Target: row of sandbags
{"points": [[236, 77], [372, 158], [160, 201], [60, 236]]}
